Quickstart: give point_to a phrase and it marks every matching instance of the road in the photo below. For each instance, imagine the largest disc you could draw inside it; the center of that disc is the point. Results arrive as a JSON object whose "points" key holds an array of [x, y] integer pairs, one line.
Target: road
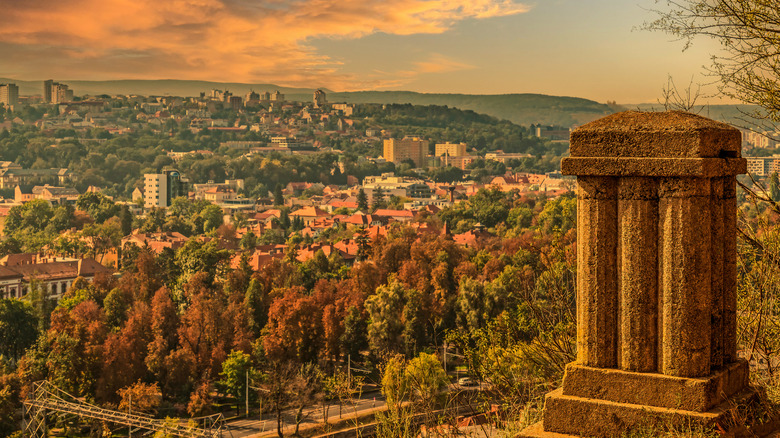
{"points": [[265, 425]]}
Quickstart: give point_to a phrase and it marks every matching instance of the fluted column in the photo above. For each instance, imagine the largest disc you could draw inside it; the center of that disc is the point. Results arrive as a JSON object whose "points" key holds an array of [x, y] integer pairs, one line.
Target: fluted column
{"points": [[638, 277], [597, 294], [685, 276], [729, 205]]}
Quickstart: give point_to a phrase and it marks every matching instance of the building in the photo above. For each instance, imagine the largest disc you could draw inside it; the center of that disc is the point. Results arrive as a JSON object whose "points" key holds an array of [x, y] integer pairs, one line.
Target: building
{"points": [[53, 194], [319, 98], [55, 275], [276, 96], [391, 185], [12, 175], [551, 133], [409, 148], [47, 90], [9, 94], [763, 166], [235, 102], [450, 149], [60, 93], [504, 157], [161, 188]]}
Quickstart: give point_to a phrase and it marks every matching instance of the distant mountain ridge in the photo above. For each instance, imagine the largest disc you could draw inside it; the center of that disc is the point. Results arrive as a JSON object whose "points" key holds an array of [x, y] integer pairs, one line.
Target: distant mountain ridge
{"points": [[163, 87], [523, 109]]}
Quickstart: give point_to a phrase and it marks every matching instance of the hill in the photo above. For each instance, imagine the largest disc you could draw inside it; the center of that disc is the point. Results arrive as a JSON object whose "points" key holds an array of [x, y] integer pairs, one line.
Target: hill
{"points": [[522, 109], [167, 87]]}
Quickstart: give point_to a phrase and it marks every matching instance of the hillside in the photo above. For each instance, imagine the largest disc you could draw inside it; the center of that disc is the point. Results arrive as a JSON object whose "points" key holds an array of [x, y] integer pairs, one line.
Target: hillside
{"points": [[522, 109], [171, 87]]}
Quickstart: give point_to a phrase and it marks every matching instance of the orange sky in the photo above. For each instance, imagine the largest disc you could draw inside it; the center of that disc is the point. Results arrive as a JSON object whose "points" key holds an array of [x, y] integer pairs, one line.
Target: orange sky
{"points": [[585, 48]]}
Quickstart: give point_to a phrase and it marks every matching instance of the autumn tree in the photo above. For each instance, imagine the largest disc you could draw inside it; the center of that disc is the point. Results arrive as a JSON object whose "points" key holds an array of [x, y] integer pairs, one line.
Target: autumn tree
{"points": [[125, 351], [294, 328], [139, 397]]}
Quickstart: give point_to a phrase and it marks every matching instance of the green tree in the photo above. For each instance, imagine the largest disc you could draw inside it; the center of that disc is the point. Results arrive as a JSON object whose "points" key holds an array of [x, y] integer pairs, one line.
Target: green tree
{"points": [[362, 200], [426, 379], [18, 327], [378, 199], [235, 370], [774, 187], [354, 339], [98, 205], [278, 195], [212, 218]]}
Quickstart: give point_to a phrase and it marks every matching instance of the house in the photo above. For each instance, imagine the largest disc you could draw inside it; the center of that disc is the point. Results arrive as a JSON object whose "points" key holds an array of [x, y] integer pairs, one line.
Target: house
{"points": [[53, 274], [309, 214], [156, 242]]}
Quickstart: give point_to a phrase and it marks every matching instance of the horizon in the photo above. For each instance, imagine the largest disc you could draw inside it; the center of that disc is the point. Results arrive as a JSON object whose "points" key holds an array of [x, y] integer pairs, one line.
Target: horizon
{"points": [[490, 47]]}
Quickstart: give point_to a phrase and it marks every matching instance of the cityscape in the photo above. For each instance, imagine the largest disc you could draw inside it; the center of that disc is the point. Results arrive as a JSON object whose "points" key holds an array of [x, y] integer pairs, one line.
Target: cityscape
{"points": [[399, 219]]}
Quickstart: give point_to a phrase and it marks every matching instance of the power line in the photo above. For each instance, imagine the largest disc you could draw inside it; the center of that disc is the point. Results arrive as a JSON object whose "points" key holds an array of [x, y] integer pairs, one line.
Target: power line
{"points": [[47, 398]]}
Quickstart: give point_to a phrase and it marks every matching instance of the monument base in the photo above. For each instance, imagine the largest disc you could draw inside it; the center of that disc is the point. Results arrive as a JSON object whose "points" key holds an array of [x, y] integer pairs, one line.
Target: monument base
{"points": [[608, 402]]}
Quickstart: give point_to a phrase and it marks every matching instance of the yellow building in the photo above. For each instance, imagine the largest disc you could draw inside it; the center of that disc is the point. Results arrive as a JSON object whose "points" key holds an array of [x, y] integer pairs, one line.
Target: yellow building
{"points": [[451, 149], [410, 148]]}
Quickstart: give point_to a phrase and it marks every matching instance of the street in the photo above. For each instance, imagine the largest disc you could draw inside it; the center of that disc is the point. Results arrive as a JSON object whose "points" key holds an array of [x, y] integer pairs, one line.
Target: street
{"points": [[265, 425]]}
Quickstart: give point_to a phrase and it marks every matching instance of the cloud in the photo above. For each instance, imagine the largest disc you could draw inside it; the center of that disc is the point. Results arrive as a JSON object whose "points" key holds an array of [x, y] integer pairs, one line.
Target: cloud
{"points": [[437, 63], [221, 40]]}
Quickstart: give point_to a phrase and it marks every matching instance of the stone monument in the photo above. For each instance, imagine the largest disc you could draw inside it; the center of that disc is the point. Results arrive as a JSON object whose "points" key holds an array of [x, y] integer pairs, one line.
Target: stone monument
{"points": [[656, 276]]}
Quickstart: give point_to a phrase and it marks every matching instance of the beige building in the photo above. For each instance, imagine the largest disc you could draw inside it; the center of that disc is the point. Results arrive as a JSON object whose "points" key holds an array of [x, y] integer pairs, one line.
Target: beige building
{"points": [[60, 93], [450, 149], [763, 166], [410, 148], [9, 94]]}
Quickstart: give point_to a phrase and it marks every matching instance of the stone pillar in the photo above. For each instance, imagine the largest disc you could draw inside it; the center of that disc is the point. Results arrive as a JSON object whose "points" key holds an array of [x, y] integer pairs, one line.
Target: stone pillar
{"points": [[638, 314], [597, 295], [656, 276]]}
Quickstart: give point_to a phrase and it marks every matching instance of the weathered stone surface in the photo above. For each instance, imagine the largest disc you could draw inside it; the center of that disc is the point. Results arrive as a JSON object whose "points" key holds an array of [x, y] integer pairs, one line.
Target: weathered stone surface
{"points": [[582, 417], [652, 389], [655, 167], [716, 286], [656, 134], [597, 294], [729, 315], [638, 261], [656, 275], [591, 417], [685, 270]]}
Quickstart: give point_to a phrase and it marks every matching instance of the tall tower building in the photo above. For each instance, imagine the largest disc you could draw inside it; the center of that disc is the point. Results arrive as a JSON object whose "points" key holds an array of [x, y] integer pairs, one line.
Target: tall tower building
{"points": [[9, 94], [60, 93], [319, 98], [47, 85], [161, 188], [410, 148]]}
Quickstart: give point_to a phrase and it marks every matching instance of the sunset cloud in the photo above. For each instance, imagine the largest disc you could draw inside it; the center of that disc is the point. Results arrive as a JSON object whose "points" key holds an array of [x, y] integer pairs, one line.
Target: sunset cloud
{"points": [[220, 40]]}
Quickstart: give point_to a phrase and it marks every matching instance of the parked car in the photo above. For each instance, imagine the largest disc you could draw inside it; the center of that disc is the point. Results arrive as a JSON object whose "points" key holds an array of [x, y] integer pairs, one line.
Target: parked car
{"points": [[466, 381]]}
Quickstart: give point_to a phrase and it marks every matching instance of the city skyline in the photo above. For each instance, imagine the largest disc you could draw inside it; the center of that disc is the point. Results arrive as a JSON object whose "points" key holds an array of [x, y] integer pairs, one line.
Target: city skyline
{"points": [[556, 47]]}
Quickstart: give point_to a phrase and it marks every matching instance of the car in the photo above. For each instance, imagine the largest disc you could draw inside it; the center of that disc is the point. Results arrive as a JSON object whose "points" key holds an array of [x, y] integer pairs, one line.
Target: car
{"points": [[466, 381]]}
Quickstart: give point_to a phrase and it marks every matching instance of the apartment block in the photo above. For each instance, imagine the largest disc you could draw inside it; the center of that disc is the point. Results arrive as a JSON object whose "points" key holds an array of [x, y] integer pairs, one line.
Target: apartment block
{"points": [[161, 188], [9, 94], [409, 148], [450, 149]]}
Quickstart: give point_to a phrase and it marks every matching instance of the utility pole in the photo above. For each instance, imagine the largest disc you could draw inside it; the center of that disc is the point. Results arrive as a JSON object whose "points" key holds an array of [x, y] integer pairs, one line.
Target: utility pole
{"points": [[349, 368], [129, 410], [444, 356], [247, 393]]}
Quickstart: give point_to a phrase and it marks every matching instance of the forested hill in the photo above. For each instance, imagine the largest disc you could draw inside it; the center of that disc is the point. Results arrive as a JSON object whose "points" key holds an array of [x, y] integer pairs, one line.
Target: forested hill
{"points": [[522, 109]]}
